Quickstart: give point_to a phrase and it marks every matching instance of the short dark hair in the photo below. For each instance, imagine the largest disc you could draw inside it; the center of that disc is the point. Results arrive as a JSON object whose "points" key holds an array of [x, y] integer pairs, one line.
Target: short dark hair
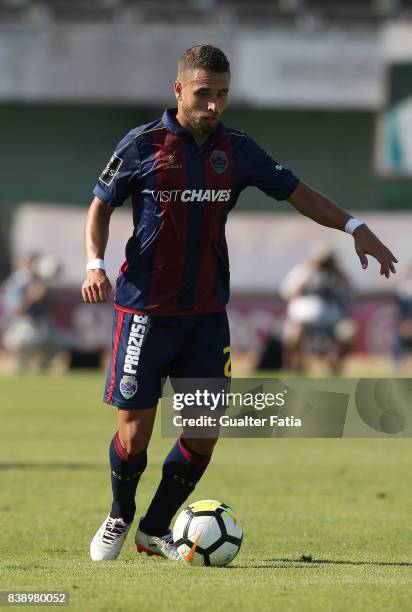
{"points": [[207, 57]]}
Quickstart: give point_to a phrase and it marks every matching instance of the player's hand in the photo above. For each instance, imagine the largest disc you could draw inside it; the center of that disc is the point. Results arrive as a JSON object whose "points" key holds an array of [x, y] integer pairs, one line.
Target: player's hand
{"points": [[97, 287], [366, 243]]}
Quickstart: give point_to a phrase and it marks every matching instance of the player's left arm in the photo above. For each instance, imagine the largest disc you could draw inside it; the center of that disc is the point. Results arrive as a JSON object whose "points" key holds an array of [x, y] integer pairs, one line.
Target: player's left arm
{"points": [[318, 207]]}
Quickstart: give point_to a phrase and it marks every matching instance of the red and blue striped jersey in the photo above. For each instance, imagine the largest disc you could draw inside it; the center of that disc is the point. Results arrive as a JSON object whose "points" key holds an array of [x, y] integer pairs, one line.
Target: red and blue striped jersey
{"points": [[177, 258]]}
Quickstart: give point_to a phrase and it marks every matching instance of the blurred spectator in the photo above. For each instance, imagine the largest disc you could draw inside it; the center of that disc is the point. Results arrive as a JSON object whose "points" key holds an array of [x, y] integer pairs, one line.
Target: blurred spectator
{"points": [[318, 294], [271, 356], [26, 327], [403, 337]]}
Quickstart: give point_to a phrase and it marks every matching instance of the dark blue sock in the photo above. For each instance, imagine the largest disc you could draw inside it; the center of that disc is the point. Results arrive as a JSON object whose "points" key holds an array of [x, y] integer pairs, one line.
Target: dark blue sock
{"points": [[182, 470], [126, 470]]}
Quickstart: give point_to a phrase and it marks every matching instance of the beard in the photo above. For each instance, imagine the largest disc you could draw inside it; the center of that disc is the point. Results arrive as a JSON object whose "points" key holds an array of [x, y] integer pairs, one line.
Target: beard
{"points": [[197, 124]]}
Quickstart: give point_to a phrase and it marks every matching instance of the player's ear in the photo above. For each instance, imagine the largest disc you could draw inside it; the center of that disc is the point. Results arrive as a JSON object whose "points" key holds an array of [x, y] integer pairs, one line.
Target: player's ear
{"points": [[177, 88]]}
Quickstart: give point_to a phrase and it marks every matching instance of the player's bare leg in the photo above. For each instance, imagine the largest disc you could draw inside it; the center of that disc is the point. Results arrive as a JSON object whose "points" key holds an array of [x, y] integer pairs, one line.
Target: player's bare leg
{"points": [[135, 429], [128, 460]]}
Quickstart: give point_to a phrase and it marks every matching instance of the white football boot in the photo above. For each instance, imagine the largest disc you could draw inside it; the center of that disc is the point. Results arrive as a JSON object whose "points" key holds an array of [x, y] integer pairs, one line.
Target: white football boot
{"points": [[163, 546], [108, 541]]}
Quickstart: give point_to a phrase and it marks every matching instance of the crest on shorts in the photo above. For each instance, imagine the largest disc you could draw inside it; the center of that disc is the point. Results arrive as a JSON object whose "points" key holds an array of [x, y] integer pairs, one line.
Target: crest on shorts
{"points": [[219, 161], [128, 386]]}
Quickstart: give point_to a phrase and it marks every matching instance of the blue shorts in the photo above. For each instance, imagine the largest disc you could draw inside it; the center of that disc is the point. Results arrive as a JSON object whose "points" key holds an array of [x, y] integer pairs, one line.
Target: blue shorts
{"points": [[147, 349]]}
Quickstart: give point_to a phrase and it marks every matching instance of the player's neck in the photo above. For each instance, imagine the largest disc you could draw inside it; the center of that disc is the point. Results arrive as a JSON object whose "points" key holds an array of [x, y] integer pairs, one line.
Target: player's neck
{"points": [[199, 137]]}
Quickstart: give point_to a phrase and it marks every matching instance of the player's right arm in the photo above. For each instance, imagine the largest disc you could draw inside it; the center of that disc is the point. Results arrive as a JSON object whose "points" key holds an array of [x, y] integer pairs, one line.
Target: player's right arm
{"points": [[96, 287], [112, 189]]}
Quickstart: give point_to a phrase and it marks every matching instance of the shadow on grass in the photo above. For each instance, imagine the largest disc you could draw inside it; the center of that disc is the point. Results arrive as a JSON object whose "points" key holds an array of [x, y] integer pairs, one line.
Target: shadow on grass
{"points": [[52, 465], [308, 561]]}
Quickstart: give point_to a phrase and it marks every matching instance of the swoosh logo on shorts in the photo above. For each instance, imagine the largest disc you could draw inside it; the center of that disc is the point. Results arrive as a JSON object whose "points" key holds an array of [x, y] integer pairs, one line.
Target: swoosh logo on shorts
{"points": [[189, 557]]}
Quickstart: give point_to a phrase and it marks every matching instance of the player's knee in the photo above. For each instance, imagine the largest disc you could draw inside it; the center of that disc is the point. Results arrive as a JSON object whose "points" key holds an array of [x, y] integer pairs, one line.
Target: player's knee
{"points": [[136, 442], [134, 438], [135, 429]]}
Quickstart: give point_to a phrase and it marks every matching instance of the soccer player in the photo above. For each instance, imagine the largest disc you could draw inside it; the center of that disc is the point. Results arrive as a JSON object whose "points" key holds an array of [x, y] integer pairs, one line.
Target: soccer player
{"points": [[183, 173]]}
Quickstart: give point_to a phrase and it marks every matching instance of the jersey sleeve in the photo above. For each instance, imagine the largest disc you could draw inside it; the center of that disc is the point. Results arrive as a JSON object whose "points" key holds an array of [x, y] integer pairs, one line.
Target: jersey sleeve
{"points": [[115, 183], [264, 172]]}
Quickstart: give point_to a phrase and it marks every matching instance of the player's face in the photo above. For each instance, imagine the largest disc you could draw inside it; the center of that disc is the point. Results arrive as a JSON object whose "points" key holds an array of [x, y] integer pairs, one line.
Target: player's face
{"points": [[201, 98]]}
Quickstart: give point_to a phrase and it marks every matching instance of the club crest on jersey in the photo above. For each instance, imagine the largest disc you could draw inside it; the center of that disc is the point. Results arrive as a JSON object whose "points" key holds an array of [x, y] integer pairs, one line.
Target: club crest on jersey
{"points": [[219, 161], [128, 386], [111, 170]]}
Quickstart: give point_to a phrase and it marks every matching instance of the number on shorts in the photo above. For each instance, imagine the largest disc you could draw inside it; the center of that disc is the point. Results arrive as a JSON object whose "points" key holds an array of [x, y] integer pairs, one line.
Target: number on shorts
{"points": [[228, 364]]}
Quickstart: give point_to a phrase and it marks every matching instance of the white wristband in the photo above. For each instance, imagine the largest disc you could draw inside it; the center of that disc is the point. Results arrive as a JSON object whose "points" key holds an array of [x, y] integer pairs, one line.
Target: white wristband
{"points": [[352, 224], [96, 264]]}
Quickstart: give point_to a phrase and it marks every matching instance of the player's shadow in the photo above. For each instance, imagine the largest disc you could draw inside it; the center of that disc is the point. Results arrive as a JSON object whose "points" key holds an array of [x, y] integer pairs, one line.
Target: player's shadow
{"points": [[50, 465], [308, 562]]}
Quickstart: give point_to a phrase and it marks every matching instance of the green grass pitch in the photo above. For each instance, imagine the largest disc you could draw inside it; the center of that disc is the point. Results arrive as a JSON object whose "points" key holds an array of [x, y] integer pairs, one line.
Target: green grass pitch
{"points": [[327, 523]]}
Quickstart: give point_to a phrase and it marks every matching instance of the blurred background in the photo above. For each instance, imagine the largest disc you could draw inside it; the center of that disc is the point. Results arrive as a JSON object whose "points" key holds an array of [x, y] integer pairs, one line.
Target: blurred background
{"points": [[325, 86]]}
